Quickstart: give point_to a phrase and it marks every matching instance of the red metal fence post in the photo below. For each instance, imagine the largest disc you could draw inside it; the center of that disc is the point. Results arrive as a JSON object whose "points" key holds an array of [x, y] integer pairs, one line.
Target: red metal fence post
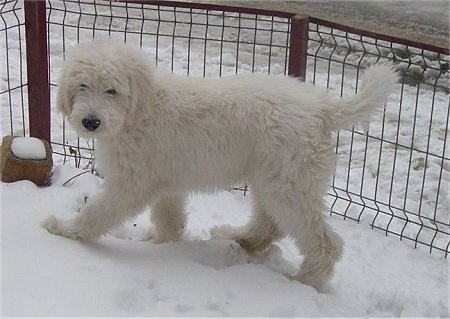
{"points": [[298, 48], [37, 68]]}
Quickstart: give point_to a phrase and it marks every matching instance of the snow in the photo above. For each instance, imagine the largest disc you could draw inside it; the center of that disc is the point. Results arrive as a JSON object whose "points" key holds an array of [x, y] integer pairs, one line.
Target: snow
{"points": [[418, 20], [28, 148], [126, 274]]}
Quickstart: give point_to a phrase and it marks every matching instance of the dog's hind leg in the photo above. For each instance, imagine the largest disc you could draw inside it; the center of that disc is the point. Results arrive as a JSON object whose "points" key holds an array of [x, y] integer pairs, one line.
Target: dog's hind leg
{"points": [[255, 237], [169, 218], [319, 244]]}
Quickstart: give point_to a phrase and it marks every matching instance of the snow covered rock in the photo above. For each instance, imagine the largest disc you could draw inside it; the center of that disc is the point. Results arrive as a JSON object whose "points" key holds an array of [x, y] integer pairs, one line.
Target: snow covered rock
{"points": [[26, 158]]}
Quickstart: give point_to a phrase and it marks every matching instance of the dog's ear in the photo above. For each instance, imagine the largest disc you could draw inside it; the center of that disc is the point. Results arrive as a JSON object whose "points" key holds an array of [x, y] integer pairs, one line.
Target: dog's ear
{"points": [[141, 88], [63, 98]]}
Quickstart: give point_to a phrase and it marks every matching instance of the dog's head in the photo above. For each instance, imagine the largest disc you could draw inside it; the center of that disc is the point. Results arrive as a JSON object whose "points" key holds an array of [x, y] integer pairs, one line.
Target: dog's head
{"points": [[100, 85]]}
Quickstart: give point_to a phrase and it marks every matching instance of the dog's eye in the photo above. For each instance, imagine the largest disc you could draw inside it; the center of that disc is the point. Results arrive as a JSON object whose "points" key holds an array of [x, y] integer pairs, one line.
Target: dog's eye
{"points": [[111, 91], [83, 87]]}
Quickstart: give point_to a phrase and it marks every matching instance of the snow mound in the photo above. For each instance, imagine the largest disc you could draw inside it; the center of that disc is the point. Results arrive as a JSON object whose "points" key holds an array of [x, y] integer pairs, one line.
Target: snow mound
{"points": [[28, 148]]}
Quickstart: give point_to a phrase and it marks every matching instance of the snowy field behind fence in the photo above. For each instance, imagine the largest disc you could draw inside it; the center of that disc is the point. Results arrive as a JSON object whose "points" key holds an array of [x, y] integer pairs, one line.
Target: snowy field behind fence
{"points": [[395, 177]]}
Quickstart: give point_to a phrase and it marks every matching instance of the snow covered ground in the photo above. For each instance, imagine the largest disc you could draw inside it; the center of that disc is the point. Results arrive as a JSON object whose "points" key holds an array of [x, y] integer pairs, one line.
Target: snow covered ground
{"points": [[417, 20], [124, 274]]}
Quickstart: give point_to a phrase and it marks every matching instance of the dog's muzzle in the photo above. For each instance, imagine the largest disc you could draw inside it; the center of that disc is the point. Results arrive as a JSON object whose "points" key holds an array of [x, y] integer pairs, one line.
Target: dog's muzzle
{"points": [[91, 123]]}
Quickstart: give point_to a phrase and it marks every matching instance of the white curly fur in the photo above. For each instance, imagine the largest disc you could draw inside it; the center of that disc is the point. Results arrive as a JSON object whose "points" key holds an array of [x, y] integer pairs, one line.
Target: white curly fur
{"points": [[162, 136]]}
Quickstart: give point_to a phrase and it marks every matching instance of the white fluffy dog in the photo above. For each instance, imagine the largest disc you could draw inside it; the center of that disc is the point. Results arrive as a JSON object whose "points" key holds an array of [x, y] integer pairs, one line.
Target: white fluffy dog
{"points": [[161, 136]]}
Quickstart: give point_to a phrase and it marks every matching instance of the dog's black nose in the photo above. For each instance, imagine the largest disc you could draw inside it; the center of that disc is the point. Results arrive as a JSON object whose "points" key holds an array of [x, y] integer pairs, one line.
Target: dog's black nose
{"points": [[91, 123]]}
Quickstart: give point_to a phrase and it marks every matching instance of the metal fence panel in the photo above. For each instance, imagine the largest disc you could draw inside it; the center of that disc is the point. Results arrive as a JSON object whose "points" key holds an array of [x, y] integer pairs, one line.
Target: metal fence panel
{"points": [[189, 41], [13, 89], [399, 183]]}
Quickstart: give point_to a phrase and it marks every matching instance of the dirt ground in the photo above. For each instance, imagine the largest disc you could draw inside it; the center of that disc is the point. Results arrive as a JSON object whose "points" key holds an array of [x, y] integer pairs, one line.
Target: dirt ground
{"points": [[418, 20]]}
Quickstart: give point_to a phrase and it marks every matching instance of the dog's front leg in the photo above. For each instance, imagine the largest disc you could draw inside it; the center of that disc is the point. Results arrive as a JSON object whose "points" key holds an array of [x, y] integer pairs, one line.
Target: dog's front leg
{"points": [[169, 218], [102, 212]]}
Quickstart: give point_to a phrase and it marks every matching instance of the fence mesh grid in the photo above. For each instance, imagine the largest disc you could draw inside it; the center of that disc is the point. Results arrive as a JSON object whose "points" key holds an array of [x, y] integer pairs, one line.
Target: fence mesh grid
{"points": [[183, 40], [13, 89], [394, 177], [399, 183]]}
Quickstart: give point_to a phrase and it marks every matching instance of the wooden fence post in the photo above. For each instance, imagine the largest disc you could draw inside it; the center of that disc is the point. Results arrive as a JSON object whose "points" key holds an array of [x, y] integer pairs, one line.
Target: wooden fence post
{"points": [[37, 68]]}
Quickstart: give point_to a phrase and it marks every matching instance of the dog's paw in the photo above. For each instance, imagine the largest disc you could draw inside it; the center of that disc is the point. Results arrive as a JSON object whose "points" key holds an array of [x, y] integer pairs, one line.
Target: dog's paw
{"points": [[161, 237], [62, 228], [51, 224], [316, 280], [224, 232]]}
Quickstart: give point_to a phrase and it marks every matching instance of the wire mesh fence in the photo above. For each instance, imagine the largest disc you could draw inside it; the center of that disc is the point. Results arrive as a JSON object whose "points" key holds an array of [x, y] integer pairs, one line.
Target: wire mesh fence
{"points": [[395, 176], [187, 41], [13, 87]]}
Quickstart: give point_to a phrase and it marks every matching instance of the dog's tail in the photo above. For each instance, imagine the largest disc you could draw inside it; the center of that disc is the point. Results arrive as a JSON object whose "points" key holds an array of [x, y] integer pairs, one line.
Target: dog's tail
{"points": [[377, 83]]}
